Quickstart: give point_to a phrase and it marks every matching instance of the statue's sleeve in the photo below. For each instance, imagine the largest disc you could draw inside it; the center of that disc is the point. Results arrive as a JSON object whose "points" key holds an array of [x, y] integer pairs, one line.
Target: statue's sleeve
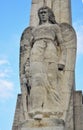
{"points": [[25, 48], [61, 47]]}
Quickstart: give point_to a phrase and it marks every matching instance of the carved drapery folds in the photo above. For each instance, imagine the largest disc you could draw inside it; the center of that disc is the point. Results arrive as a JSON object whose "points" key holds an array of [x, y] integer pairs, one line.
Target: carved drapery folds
{"points": [[47, 66]]}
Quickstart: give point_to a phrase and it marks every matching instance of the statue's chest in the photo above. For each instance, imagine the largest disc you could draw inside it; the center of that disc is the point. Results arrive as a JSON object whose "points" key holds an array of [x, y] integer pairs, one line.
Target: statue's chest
{"points": [[44, 32]]}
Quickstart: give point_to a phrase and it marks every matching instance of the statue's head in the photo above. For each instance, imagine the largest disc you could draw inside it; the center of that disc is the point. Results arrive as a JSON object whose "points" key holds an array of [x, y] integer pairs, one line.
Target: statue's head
{"points": [[46, 14]]}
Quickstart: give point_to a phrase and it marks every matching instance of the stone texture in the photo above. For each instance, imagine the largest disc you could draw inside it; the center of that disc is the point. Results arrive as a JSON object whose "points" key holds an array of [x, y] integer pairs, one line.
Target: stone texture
{"points": [[45, 123], [45, 128], [61, 9], [34, 10], [47, 72], [78, 115], [66, 78], [78, 111], [82, 117], [18, 113]]}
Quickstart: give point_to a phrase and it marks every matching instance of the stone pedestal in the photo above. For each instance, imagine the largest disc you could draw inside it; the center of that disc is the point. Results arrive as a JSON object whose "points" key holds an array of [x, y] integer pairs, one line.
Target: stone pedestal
{"points": [[44, 124], [78, 110], [49, 124], [44, 128]]}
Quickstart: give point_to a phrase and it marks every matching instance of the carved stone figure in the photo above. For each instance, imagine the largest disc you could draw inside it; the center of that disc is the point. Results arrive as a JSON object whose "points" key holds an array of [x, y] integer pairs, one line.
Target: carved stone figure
{"points": [[45, 61]]}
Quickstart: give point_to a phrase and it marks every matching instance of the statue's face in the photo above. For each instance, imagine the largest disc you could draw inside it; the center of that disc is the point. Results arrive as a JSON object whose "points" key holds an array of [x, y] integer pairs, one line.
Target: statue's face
{"points": [[43, 15]]}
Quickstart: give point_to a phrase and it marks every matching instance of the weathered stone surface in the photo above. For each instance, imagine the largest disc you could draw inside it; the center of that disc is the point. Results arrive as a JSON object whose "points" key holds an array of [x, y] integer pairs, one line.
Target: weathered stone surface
{"points": [[37, 1], [78, 114], [47, 71], [45, 128], [82, 117], [47, 68], [78, 111], [61, 9], [18, 117], [45, 123]]}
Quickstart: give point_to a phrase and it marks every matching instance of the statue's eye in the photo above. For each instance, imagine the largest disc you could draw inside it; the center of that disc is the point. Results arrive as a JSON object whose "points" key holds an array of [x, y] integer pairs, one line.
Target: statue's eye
{"points": [[43, 12]]}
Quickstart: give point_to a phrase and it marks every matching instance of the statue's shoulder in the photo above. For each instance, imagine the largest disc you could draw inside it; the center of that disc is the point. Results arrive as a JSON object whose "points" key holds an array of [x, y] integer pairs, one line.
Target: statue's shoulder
{"points": [[56, 26], [27, 33]]}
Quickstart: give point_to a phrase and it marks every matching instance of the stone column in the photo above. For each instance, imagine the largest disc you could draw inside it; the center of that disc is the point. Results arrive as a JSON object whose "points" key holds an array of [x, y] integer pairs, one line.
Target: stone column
{"points": [[61, 9], [78, 110], [36, 4]]}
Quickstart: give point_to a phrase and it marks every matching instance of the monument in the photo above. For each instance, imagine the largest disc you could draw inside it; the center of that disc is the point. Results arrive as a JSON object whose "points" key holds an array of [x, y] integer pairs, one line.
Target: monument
{"points": [[48, 46]]}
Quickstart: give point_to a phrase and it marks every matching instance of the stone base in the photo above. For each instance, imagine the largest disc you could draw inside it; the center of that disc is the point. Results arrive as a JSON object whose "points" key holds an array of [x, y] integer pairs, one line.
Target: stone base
{"points": [[44, 128], [44, 124]]}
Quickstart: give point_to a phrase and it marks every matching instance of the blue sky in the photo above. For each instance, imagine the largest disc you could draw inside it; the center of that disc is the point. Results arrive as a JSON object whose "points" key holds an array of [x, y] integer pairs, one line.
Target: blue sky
{"points": [[14, 17]]}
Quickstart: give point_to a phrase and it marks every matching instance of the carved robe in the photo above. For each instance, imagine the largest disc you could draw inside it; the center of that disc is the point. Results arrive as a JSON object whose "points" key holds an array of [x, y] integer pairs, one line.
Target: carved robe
{"points": [[44, 60], [42, 49]]}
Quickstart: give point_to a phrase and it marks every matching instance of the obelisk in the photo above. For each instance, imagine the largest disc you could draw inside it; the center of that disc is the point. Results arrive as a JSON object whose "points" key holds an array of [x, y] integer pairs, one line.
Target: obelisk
{"points": [[48, 99], [61, 9]]}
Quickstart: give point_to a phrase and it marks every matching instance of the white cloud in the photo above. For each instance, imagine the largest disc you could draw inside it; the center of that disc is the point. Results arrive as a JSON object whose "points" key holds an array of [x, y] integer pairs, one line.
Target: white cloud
{"points": [[3, 61], [6, 89], [2, 74], [6, 85], [80, 42], [5, 68], [79, 31], [5, 73]]}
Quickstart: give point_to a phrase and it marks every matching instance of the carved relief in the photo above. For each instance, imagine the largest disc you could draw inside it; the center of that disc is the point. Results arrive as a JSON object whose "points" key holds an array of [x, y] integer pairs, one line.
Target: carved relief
{"points": [[46, 64]]}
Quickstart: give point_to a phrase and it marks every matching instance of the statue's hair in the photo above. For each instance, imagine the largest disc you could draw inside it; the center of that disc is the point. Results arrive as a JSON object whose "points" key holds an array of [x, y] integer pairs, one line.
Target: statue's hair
{"points": [[51, 17]]}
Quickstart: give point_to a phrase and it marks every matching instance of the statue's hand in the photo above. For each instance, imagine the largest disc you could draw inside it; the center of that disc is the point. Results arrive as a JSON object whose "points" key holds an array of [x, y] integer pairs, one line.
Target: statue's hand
{"points": [[61, 67]]}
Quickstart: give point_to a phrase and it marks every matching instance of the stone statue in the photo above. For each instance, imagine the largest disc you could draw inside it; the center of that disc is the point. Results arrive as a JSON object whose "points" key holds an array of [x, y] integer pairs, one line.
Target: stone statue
{"points": [[46, 64]]}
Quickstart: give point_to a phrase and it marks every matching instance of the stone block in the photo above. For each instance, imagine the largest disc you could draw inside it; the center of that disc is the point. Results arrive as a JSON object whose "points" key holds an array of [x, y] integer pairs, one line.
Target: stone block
{"points": [[78, 98], [78, 110], [44, 124], [36, 1], [45, 128]]}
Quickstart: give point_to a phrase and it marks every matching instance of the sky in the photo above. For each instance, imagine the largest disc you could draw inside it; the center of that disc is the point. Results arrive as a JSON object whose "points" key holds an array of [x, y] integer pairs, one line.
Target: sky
{"points": [[14, 18]]}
